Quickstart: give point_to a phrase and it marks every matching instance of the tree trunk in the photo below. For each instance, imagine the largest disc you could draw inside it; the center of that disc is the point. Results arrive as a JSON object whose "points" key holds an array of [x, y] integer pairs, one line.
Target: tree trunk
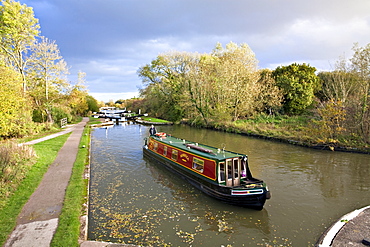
{"points": [[49, 117]]}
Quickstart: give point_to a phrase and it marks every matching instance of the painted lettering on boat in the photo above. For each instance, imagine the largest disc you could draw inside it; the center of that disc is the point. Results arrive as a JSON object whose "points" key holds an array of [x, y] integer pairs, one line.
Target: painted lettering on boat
{"points": [[184, 157]]}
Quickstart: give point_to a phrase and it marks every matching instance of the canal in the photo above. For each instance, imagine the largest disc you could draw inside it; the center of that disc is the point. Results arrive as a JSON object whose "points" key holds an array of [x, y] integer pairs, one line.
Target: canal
{"points": [[133, 200]]}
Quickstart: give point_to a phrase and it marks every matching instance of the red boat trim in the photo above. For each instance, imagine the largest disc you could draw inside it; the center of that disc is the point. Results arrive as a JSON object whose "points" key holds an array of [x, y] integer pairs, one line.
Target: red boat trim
{"points": [[193, 170], [245, 192]]}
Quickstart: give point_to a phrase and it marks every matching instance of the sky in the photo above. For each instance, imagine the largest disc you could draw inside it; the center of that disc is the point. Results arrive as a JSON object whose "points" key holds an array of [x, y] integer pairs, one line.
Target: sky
{"points": [[110, 40]]}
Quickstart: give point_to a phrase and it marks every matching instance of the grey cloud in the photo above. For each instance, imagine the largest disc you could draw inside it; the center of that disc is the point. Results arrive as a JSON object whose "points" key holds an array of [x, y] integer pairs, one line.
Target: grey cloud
{"points": [[108, 39]]}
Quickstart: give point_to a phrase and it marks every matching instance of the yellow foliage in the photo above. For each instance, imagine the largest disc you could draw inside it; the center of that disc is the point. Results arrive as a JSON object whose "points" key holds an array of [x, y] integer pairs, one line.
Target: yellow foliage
{"points": [[14, 109], [329, 126]]}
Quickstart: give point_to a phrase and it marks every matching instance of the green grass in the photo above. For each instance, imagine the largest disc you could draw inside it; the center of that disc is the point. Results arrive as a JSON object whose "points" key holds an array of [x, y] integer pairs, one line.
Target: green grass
{"points": [[95, 120], [53, 129], [38, 135], [280, 120], [273, 126], [68, 230], [46, 152], [154, 120]]}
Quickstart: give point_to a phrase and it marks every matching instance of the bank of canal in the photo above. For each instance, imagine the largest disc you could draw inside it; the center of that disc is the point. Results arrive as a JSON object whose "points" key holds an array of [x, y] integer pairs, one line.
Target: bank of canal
{"points": [[135, 201]]}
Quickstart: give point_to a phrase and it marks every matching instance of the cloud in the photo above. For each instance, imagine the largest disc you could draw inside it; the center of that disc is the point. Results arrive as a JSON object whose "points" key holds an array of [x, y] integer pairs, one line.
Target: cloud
{"points": [[107, 97], [111, 39]]}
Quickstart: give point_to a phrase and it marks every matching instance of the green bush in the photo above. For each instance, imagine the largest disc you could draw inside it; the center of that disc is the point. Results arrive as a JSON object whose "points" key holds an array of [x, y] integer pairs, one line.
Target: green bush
{"points": [[59, 113], [38, 117]]}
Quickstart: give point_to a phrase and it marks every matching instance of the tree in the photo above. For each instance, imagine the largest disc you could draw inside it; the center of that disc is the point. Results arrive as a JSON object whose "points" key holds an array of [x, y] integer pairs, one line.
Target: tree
{"points": [[330, 125], [221, 86], [201, 85], [92, 103], [77, 96], [47, 73], [164, 79], [239, 75], [15, 114], [361, 66], [270, 96], [340, 84], [299, 83], [18, 31]]}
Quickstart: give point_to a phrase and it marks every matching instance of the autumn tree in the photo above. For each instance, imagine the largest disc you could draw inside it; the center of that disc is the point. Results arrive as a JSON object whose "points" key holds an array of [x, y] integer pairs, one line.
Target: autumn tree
{"points": [[361, 66], [200, 87], [77, 96], [221, 86], [15, 112], [238, 73], [339, 84], [47, 73], [270, 95], [164, 79], [18, 31], [299, 83], [329, 126]]}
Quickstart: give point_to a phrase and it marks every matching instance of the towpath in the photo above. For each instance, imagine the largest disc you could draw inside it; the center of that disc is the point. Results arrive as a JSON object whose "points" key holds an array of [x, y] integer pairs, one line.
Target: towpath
{"points": [[353, 229], [38, 219]]}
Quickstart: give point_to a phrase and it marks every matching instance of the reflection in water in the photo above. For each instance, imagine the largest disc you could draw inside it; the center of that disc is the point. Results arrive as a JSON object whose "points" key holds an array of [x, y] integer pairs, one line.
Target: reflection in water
{"points": [[136, 201], [205, 205]]}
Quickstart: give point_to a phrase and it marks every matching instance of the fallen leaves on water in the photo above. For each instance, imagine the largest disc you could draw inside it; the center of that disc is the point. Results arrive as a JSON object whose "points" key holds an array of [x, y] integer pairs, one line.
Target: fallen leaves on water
{"points": [[223, 226]]}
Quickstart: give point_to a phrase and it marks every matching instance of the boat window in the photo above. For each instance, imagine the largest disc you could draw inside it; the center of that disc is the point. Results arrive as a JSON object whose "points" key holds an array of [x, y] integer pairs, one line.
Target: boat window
{"points": [[236, 168], [229, 168], [174, 154], [198, 164], [222, 172], [155, 146], [244, 169], [165, 150]]}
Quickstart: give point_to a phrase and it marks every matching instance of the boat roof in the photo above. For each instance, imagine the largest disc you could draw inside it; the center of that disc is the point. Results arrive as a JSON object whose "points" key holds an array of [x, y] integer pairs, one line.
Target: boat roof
{"points": [[197, 148]]}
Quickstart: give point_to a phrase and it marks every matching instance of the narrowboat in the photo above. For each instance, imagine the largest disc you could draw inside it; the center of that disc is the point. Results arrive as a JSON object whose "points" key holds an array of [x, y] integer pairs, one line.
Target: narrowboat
{"points": [[221, 174]]}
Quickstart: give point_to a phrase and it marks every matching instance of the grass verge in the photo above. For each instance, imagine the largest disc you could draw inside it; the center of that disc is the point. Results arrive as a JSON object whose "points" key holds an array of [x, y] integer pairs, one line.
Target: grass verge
{"points": [[297, 130], [93, 120], [68, 231], [154, 120], [46, 151]]}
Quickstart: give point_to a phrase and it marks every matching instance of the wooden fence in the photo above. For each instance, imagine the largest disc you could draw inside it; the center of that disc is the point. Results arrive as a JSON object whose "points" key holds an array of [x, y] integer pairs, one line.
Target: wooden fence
{"points": [[63, 122]]}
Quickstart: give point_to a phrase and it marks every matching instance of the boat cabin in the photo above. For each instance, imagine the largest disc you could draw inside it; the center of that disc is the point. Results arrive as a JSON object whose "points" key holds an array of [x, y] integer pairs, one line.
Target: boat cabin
{"points": [[222, 167]]}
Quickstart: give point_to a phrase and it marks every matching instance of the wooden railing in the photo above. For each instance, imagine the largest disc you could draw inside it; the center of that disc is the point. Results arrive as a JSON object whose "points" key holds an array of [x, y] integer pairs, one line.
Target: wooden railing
{"points": [[63, 122]]}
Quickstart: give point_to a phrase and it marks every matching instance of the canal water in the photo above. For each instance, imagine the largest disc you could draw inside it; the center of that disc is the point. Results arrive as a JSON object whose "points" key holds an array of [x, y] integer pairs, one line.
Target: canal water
{"points": [[133, 200]]}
